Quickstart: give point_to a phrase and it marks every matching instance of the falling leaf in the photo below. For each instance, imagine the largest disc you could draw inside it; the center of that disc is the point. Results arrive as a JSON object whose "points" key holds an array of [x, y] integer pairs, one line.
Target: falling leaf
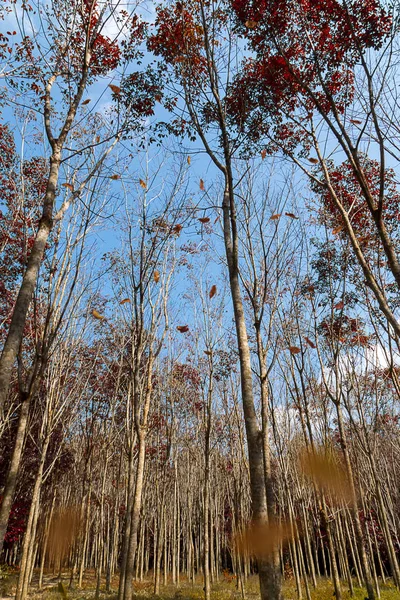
{"points": [[177, 228], [201, 185], [326, 471], [294, 350], [355, 121], [204, 219], [115, 89], [189, 160], [124, 301], [143, 184], [310, 343], [183, 328], [337, 229], [261, 540], [339, 305], [156, 276], [314, 161], [208, 352], [263, 153], [69, 186], [86, 101], [251, 24], [291, 215], [213, 291], [115, 176], [97, 315], [275, 217]]}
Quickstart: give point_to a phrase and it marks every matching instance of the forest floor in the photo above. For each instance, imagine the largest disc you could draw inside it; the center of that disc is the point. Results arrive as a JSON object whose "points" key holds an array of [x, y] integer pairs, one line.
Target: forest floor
{"points": [[224, 590]]}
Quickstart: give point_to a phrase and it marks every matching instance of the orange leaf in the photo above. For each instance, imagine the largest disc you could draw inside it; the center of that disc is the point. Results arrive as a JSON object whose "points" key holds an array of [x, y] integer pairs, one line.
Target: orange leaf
{"points": [[314, 161], [156, 276], [86, 102], [115, 176], [143, 184], [294, 350], [69, 186], [202, 185], [188, 160], [97, 315], [213, 291], [275, 217], [251, 24], [263, 539], [204, 219], [183, 328], [263, 153], [310, 343], [115, 89], [339, 305], [291, 215], [326, 471], [337, 229], [124, 301]]}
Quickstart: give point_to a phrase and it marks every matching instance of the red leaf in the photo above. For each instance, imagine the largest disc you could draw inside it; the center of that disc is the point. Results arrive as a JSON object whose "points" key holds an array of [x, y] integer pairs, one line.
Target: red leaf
{"points": [[213, 291], [310, 343], [294, 349]]}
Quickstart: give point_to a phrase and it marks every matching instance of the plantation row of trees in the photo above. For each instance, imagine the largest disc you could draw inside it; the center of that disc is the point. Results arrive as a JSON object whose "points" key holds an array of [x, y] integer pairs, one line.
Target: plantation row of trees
{"points": [[199, 292]]}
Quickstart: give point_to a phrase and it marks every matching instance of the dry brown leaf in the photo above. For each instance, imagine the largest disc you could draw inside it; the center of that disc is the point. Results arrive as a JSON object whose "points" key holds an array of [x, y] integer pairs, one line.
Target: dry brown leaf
{"points": [[204, 219], [177, 229], [337, 229], [156, 276], [326, 470], [69, 186], [263, 540], [314, 161], [208, 352], [86, 102], [115, 177], [97, 315], [213, 291], [115, 89], [263, 153], [251, 24], [294, 350], [124, 301], [183, 328], [275, 217], [310, 343], [189, 160], [291, 215], [202, 185], [355, 121], [143, 184], [339, 305]]}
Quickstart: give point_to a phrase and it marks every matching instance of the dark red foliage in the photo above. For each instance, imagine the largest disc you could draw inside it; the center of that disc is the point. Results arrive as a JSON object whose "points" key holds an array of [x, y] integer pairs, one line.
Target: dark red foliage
{"points": [[179, 39], [352, 198], [304, 58]]}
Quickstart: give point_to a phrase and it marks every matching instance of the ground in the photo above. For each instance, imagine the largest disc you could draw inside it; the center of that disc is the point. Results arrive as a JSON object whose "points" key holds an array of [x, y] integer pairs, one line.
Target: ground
{"points": [[224, 590]]}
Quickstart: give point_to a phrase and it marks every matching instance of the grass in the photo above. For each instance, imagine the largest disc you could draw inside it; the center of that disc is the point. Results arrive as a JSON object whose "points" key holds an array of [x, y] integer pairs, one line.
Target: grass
{"points": [[225, 589]]}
